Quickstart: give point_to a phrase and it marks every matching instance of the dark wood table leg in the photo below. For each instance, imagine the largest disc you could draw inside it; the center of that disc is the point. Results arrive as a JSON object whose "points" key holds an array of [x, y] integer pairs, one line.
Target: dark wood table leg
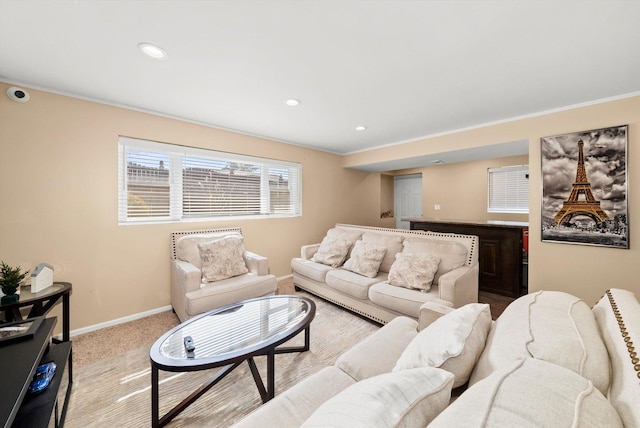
{"points": [[155, 405], [65, 318], [264, 395], [271, 375]]}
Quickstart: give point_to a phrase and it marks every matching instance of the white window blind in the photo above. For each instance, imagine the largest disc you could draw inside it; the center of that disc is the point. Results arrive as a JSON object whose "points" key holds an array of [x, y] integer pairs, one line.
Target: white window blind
{"points": [[508, 189], [164, 182]]}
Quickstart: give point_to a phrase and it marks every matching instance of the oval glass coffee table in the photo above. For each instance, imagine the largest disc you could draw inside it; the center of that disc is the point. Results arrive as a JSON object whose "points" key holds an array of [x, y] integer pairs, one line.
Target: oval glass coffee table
{"points": [[226, 337]]}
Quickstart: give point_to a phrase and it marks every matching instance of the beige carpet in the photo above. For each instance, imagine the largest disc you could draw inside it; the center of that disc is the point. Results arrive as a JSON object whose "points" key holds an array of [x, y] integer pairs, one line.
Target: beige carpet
{"points": [[112, 372]]}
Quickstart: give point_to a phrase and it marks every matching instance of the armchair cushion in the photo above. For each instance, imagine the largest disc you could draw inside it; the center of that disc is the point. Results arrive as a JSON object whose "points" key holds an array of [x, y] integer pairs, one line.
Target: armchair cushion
{"points": [[222, 258], [186, 247]]}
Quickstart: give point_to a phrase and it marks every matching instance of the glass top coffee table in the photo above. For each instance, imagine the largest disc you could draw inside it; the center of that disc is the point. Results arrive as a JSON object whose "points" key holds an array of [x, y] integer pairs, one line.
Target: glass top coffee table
{"points": [[226, 337]]}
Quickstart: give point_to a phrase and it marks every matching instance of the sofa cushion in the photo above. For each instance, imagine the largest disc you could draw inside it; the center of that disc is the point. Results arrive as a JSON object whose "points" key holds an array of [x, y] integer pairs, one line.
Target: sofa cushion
{"points": [[411, 398], [365, 258], [453, 342], [400, 299], [351, 283], [392, 337], [187, 246], [414, 270], [310, 269], [332, 251], [618, 316], [227, 291], [393, 244], [222, 258], [452, 254], [551, 326], [293, 406], [530, 393]]}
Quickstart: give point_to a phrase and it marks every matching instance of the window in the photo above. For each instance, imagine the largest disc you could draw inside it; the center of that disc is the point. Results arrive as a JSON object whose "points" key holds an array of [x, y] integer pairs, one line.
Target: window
{"points": [[166, 182], [509, 189]]}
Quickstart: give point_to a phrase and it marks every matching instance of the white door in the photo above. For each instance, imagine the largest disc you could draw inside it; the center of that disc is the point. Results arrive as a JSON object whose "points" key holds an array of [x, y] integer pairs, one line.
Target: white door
{"points": [[407, 190]]}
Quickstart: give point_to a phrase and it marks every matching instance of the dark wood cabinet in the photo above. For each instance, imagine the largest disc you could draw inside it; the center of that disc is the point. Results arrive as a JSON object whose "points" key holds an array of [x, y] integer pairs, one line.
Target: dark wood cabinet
{"points": [[500, 254]]}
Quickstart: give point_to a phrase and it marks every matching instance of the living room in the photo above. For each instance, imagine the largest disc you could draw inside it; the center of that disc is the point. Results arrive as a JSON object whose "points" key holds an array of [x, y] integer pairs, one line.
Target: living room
{"points": [[59, 175]]}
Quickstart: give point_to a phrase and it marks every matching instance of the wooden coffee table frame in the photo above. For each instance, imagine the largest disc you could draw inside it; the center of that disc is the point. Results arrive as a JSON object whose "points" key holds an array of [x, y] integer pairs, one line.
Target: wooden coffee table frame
{"points": [[228, 364]]}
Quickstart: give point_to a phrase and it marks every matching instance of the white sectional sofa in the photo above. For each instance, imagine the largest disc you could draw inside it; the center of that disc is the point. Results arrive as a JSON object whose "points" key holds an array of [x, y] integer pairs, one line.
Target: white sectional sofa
{"points": [[548, 360], [332, 270]]}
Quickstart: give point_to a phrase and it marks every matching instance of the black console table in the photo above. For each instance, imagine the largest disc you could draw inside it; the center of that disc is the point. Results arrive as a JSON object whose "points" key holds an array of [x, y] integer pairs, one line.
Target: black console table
{"points": [[40, 304], [500, 254], [18, 363]]}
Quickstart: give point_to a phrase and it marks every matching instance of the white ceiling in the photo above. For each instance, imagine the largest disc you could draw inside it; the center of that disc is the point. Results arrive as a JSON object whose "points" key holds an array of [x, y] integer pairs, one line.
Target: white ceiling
{"points": [[405, 69]]}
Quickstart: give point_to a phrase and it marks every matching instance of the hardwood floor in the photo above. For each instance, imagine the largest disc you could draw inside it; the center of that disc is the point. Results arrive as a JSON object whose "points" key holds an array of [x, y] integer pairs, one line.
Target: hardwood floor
{"points": [[497, 302]]}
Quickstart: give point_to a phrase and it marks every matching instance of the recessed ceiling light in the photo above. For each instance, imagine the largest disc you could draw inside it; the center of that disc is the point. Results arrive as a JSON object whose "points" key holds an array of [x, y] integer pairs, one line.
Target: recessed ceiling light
{"points": [[152, 50], [361, 128], [292, 102]]}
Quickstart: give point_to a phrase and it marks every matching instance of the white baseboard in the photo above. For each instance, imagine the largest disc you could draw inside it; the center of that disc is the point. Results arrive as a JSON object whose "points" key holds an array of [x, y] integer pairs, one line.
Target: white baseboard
{"points": [[133, 317], [115, 322]]}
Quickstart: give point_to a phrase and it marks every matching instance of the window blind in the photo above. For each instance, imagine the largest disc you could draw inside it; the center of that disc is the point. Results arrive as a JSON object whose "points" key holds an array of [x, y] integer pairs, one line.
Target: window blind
{"points": [[164, 182], [508, 189]]}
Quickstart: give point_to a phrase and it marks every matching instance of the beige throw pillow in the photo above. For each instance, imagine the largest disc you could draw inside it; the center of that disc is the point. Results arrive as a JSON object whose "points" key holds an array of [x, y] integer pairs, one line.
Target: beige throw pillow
{"points": [[453, 342], [222, 258], [413, 270], [408, 399], [365, 259], [332, 251], [452, 254]]}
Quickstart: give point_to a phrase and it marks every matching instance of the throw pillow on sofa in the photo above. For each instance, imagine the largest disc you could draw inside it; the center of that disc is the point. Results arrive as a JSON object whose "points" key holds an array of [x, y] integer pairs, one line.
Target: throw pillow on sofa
{"points": [[365, 259], [453, 342], [408, 399], [530, 393], [332, 251], [222, 258], [413, 270], [452, 254]]}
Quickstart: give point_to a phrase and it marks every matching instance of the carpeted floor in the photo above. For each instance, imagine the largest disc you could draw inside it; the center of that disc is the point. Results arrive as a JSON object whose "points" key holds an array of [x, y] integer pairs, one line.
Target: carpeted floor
{"points": [[112, 374]]}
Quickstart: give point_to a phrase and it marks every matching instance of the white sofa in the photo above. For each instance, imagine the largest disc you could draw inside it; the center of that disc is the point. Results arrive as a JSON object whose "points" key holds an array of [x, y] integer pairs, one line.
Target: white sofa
{"points": [[549, 360], [455, 282], [191, 295]]}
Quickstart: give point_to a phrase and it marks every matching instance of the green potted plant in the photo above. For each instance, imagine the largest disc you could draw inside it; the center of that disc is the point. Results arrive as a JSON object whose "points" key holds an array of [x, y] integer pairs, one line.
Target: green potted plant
{"points": [[10, 279]]}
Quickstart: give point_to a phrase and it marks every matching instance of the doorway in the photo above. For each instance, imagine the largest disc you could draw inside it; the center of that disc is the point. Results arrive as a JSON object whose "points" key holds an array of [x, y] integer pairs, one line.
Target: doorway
{"points": [[407, 191]]}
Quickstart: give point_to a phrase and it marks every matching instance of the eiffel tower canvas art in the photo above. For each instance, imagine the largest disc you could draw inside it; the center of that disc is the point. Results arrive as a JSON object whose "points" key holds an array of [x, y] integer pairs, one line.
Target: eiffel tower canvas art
{"points": [[584, 194]]}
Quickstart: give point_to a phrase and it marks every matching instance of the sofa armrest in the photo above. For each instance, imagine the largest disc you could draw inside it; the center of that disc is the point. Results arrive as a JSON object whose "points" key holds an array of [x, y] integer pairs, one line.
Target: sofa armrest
{"points": [[431, 311], [257, 264], [460, 286], [307, 251], [187, 277]]}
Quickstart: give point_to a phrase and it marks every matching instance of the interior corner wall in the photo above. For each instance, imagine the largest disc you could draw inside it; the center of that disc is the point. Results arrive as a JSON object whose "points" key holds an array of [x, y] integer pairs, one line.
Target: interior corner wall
{"points": [[58, 183], [585, 271]]}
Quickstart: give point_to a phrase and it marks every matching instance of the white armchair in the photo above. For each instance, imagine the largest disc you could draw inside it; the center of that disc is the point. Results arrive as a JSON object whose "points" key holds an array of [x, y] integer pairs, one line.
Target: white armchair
{"points": [[191, 296]]}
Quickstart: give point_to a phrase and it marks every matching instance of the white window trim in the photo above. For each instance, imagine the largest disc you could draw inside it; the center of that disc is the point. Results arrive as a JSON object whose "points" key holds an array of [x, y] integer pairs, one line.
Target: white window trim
{"points": [[176, 153]]}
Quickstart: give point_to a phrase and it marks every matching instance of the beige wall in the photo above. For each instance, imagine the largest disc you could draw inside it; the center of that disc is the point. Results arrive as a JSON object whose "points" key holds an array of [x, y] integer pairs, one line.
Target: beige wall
{"points": [[58, 184], [58, 176], [461, 189], [585, 271]]}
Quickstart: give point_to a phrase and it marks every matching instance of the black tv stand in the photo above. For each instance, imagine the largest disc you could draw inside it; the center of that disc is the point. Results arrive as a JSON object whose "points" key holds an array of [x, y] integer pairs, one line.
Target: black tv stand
{"points": [[18, 363]]}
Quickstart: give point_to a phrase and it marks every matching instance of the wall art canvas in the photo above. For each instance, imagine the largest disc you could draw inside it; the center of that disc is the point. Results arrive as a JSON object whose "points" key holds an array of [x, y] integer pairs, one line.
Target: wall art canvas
{"points": [[584, 188]]}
